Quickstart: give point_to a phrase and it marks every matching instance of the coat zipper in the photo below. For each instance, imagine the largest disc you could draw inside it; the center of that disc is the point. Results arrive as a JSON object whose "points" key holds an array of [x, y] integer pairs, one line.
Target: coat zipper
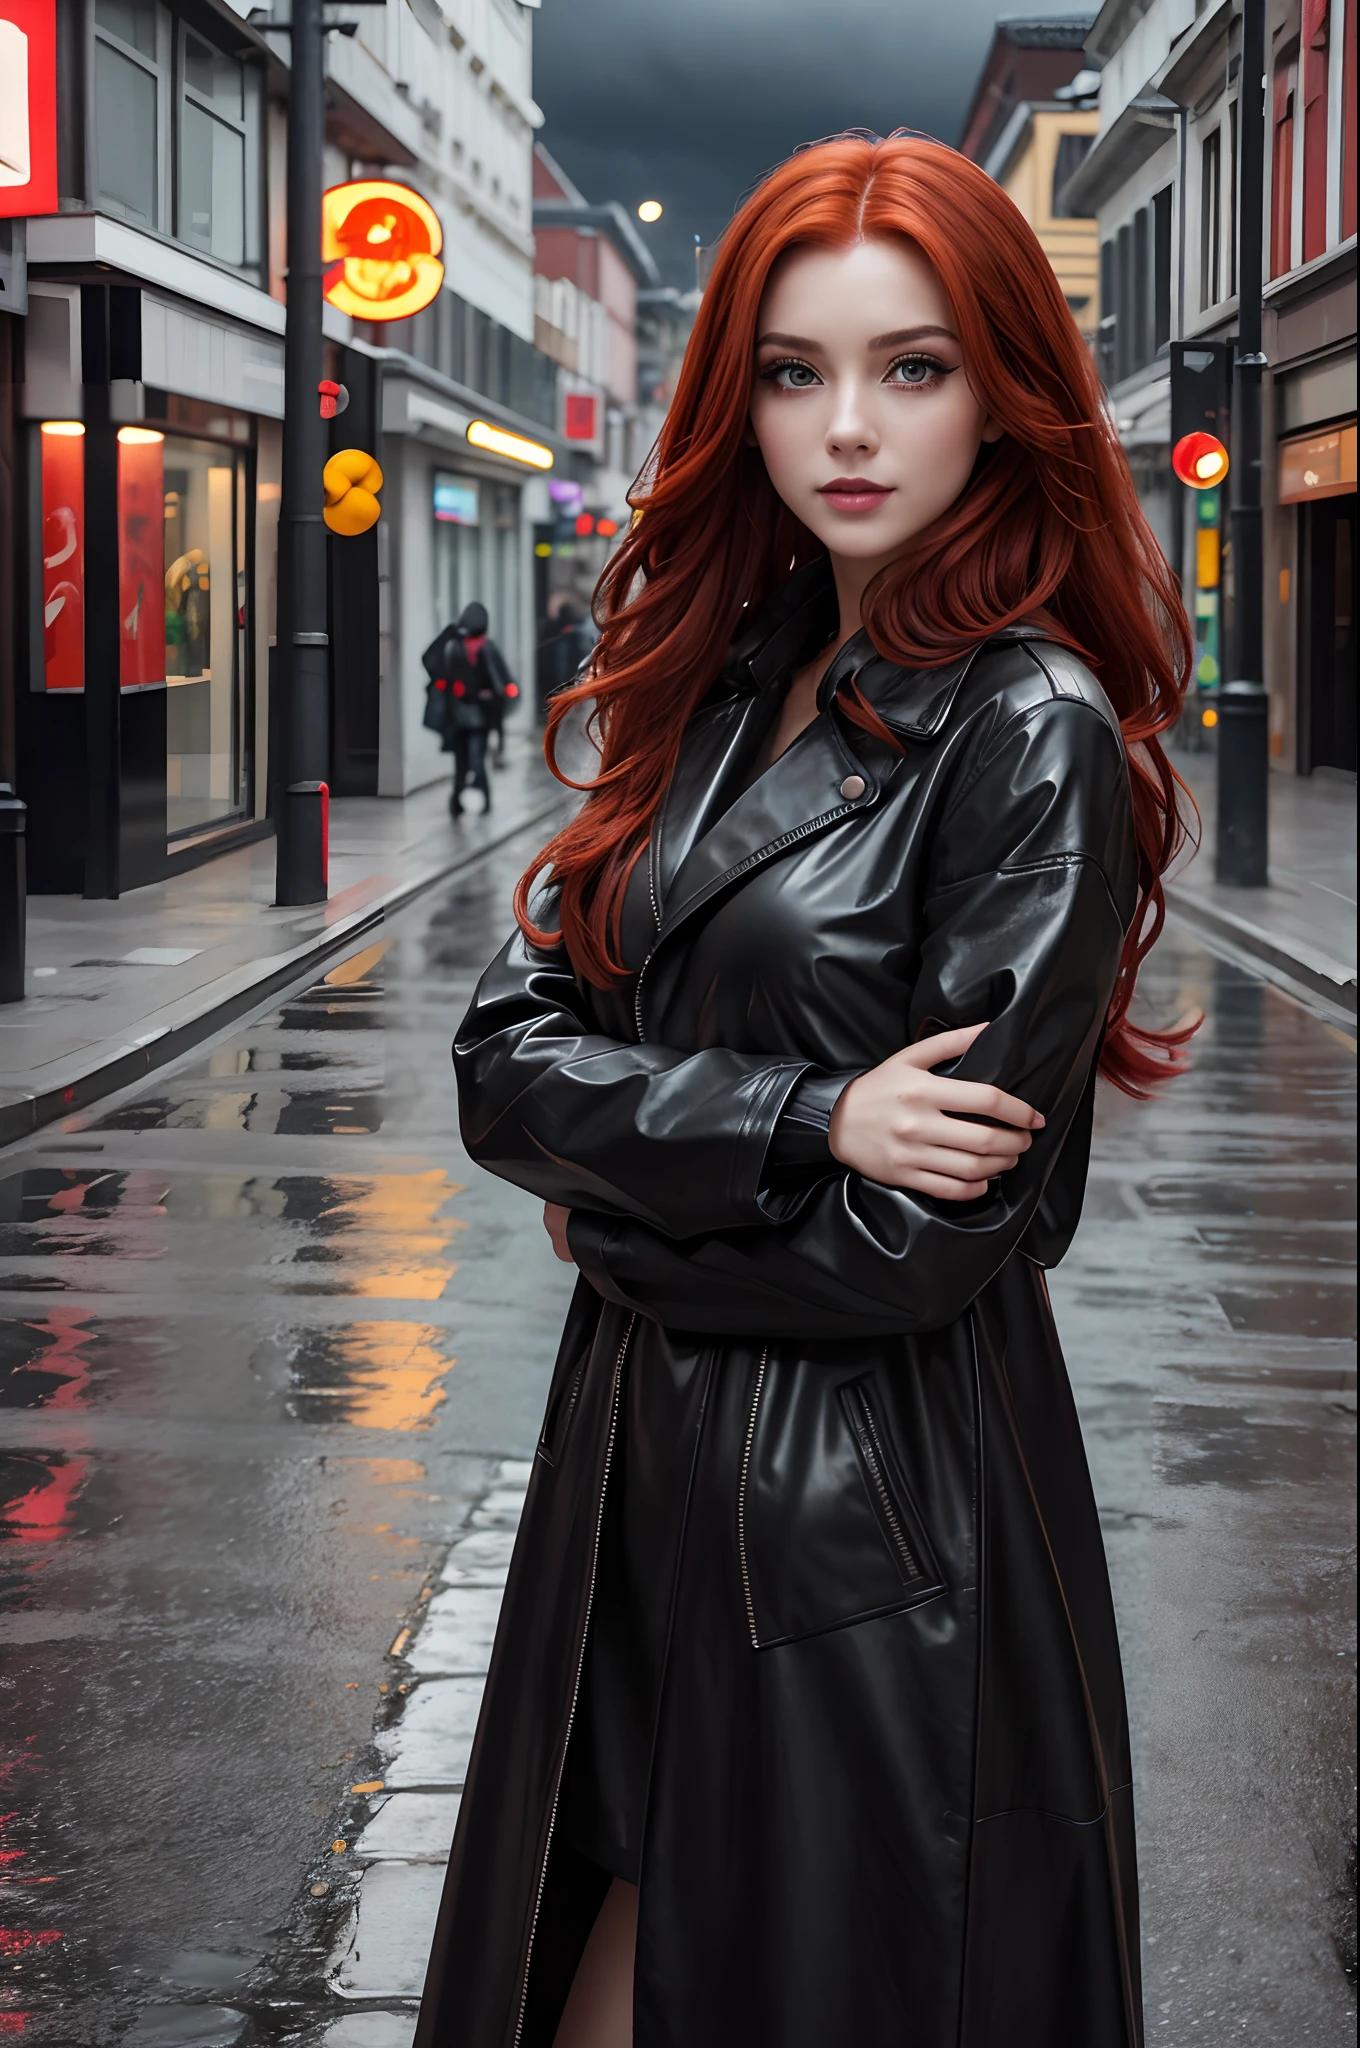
{"points": [[871, 1449], [576, 1682], [741, 1502]]}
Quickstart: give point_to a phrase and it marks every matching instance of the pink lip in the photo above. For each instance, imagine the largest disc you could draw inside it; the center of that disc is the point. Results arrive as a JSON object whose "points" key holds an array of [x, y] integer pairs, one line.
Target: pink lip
{"points": [[854, 493]]}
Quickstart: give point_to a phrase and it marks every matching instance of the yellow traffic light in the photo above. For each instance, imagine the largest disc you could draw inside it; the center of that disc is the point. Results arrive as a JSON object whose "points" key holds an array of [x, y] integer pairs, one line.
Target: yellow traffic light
{"points": [[352, 480]]}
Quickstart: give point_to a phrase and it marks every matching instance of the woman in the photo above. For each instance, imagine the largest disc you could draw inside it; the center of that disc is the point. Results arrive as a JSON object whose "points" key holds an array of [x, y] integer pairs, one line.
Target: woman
{"points": [[805, 1724]]}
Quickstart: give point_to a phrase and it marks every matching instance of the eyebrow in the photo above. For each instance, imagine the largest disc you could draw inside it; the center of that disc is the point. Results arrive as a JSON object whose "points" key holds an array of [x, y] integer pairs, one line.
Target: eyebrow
{"points": [[898, 339]]}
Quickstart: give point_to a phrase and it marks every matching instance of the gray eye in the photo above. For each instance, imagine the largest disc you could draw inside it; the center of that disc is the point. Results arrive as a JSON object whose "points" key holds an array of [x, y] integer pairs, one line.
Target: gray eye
{"points": [[799, 376]]}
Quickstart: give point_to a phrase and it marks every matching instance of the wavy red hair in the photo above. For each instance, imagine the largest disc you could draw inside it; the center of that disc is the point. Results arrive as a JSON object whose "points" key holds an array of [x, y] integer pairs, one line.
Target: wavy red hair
{"points": [[1049, 530]]}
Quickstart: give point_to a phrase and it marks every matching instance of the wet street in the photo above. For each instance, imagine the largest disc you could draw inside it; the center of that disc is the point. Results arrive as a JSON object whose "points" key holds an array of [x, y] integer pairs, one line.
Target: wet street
{"points": [[267, 1341]]}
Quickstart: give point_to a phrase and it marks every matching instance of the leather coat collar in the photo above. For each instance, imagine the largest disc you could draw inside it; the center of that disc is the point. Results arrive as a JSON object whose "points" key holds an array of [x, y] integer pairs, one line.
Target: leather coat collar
{"points": [[710, 831]]}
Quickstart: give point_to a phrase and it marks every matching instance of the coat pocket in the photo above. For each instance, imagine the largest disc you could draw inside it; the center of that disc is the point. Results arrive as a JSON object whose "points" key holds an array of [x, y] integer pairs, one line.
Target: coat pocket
{"points": [[828, 1533], [562, 1400]]}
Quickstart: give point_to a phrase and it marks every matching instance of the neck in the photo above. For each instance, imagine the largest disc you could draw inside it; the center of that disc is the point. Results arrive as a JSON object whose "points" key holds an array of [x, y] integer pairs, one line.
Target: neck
{"points": [[853, 575]]}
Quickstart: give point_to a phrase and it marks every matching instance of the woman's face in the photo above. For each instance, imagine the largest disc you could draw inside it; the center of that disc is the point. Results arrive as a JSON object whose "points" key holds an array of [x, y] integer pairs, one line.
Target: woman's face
{"points": [[860, 404]]}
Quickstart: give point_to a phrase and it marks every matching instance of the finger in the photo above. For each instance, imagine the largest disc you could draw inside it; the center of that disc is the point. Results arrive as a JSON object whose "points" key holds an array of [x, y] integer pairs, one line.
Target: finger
{"points": [[956, 1134], [980, 1098], [944, 1045], [959, 1165], [944, 1186]]}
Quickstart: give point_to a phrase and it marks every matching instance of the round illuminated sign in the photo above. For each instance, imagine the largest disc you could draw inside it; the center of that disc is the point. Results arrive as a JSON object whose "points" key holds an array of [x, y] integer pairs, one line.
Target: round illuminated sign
{"points": [[380, 244], [1200, 460]]}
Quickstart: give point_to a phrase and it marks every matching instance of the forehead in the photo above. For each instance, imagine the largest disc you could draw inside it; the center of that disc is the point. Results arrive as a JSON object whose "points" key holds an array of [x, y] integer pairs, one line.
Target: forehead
{"points": [[874, 285]]}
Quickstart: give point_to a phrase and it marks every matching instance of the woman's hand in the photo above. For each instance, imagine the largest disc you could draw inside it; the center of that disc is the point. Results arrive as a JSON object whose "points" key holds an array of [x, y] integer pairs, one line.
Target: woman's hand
{"points": [[555, 1221], [899, 1123]]}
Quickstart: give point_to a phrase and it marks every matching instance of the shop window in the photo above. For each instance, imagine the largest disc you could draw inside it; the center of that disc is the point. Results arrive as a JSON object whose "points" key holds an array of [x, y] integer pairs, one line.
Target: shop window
{"points": [[1210, 220], [63, 555], [141, 565], [204, 615], [1282, 169]]}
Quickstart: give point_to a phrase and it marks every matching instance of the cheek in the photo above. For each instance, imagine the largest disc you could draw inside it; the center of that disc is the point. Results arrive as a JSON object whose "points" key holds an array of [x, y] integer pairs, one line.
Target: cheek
{"points": [[790, 439]]}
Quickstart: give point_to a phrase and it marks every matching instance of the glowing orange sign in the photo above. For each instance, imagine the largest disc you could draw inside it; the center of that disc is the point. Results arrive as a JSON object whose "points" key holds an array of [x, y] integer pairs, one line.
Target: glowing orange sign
{"points": [[380, 244]]}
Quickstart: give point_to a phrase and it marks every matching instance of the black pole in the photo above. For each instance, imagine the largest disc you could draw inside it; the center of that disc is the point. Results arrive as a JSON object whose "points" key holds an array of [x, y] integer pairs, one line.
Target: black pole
{"points": [[303, 648], [1244, 707]]}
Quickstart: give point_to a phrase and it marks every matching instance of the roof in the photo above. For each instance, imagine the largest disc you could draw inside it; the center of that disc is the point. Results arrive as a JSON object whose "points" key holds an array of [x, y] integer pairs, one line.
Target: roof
{"points": [[609, 219], [1030, 56]]}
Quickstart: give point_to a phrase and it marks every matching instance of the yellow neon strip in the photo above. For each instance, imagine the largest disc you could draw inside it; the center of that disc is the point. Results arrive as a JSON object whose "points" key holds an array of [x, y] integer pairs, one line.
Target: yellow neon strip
{"points": [[495, 440]]}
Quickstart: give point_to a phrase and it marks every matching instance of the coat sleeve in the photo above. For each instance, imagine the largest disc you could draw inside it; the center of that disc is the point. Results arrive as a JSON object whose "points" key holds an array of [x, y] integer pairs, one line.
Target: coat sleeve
{"points": [[1030, 891], [676, 1140]]}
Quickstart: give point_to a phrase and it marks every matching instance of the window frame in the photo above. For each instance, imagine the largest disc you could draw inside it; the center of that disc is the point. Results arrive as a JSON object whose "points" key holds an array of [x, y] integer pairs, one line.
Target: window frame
{"points": [[160, 69], [249, 127]]}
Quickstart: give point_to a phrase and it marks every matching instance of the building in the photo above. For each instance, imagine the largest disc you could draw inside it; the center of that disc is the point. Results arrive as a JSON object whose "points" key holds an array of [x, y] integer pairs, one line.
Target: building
{"points": [[1030, 123], [147, 405], [1162, 178], [591, 266]]}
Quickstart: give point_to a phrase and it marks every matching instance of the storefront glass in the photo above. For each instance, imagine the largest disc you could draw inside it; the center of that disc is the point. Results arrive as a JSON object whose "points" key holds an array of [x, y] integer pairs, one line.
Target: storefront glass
{"points": [[63, 554], [203, 499], [477, 554]]}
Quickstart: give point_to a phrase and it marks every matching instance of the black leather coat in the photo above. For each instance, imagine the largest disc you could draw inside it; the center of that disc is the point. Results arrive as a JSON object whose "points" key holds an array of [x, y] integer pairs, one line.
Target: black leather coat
{"points": [[890, 1790]]}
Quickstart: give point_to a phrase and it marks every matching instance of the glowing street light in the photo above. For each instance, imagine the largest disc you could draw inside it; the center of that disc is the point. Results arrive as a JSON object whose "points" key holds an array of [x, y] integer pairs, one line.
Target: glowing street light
{"points": [[650, 210]]}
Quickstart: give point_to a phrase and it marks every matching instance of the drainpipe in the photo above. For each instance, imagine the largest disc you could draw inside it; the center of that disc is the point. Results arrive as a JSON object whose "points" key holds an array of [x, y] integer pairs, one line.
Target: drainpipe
{"points": [[1244, 706]]}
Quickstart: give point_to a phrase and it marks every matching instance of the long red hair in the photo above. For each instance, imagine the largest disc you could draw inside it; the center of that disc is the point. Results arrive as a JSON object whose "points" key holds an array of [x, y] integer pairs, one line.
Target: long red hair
{"points": [[1049, 531]]}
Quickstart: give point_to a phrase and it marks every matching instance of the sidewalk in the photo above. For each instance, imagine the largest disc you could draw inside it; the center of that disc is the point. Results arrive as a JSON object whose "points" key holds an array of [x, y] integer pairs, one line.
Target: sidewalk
{"points": [[1301, 928], [118, 988]]}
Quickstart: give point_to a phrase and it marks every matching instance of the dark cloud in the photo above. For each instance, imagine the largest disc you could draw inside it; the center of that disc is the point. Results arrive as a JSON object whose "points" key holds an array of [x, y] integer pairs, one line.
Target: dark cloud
{"points": [[690, 101]]}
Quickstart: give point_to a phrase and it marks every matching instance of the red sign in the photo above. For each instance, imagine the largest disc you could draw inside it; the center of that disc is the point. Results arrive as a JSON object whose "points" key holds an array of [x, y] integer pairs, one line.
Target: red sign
{"points": [[28, 107], [580, 416], [63, 550]]}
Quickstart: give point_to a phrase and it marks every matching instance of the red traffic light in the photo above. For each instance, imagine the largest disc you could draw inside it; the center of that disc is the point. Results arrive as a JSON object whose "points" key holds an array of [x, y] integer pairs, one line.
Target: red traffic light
{"points": [[1200, 460], [607, 528], [585, 524]]}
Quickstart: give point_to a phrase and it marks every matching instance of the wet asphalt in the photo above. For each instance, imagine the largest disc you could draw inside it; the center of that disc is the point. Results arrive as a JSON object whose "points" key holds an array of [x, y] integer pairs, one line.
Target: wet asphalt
{"points": [[264, 1333]]}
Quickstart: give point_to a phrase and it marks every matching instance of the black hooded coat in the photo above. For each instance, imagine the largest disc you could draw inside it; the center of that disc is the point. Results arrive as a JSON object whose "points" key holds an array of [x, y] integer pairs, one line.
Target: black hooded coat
{"points": [[886, 1792]]}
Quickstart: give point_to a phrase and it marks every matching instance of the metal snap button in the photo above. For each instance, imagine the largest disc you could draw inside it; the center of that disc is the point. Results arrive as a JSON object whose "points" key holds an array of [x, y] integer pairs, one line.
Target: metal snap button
{"points": [[852, 787]]}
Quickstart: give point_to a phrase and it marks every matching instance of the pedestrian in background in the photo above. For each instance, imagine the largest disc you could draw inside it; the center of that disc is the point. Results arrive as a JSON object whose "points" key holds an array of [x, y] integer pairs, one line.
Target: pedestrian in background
{"points": [[470, 685], [566, 643]]}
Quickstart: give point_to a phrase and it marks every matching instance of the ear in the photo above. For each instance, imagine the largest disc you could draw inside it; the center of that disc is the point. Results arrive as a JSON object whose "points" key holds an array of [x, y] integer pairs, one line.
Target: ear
{"points": [[992, 430], [748, 434]]}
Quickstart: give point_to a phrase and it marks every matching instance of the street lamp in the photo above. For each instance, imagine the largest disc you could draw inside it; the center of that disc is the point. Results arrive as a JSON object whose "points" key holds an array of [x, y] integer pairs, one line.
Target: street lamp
{"points": [[1244, 707]]}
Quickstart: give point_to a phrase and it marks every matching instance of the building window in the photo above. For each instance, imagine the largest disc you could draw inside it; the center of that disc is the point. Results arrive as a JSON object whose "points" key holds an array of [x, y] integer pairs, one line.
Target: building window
{"points": [[1282, 169], [1210, 221], [1071, 155], [207, 156], [1232, 198], [214, 147], [1161, 267], [1314, 58], [1108, 330], [130, 64]]}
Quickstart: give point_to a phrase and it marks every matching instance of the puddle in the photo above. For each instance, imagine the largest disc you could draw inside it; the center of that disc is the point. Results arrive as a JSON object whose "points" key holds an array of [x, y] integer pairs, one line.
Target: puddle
{"points": [[1316, 1312], [1319, 1200], [298, 1113], [38, 1494], [1200, 1446], [45, 1361], [371, 1375]]}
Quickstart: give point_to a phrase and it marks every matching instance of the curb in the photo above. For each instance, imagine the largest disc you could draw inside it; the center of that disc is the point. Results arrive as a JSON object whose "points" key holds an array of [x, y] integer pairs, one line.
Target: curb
{"points": [[1308, 973], [230, 997]]}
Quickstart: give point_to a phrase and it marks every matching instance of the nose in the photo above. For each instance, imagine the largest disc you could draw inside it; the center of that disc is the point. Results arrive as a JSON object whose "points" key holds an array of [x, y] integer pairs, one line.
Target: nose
{"points": [[851, 430]]}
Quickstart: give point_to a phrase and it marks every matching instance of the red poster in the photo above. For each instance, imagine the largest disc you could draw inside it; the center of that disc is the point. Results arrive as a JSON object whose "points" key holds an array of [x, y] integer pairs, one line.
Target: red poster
{"points": [[28, 107], [141, 557], [63, 547]]}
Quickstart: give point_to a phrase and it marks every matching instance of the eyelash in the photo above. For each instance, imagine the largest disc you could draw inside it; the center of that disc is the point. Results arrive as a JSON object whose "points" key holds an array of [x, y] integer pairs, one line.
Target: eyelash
{"points": [[938, 371]]}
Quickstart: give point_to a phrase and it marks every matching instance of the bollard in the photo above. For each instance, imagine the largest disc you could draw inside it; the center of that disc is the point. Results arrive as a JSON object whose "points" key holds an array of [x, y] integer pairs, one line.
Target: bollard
{"points": [[13, 894], [306, 820], [1243, 785]]}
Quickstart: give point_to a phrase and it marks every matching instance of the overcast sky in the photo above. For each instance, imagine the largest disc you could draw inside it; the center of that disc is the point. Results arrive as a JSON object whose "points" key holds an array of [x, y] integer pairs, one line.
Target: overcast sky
{"points": [[690, 101]]}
